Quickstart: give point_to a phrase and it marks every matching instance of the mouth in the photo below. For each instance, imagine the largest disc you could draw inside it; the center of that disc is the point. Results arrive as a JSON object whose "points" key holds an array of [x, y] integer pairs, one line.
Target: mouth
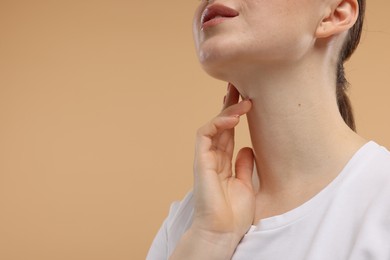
{"points": [[216, 14]]}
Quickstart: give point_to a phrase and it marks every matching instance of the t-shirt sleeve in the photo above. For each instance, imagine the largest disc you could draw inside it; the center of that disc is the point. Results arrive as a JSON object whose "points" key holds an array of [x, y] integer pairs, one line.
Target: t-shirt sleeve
{"points": [[173, 227], [159, 247]]}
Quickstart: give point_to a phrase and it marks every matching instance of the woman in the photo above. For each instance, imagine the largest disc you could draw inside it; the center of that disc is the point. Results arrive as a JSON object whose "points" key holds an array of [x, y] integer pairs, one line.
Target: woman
{"points": [[322, 192]]}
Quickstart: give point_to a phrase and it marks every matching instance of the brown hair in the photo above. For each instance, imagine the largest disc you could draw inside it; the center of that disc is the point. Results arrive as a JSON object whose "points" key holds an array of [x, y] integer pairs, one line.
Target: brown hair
{"points": [[350, 45]]}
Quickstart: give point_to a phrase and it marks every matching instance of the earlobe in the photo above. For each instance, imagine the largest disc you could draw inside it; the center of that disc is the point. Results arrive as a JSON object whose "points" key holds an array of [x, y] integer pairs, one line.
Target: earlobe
{"points": [[341, 18]]}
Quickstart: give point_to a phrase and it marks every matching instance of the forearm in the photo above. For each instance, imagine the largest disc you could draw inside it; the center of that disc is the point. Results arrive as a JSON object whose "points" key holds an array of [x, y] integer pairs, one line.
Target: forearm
{"points": [[196, 245]]}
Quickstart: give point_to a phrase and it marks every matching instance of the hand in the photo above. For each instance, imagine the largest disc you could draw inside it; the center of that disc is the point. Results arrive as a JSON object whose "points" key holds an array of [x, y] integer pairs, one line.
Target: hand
{"points": [[224, 202]]}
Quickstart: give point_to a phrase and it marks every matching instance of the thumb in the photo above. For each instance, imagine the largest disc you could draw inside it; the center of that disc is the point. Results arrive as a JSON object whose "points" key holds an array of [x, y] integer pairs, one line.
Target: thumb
{"points": [[244, 166]]}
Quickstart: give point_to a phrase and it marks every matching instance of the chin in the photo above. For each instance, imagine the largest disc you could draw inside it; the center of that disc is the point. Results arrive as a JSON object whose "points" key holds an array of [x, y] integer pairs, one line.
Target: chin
{"points": [[216, 73], [219, 63]]}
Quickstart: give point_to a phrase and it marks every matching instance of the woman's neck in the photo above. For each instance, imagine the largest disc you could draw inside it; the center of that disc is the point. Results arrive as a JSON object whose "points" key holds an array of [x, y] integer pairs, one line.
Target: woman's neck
{"points": [[297, 132]]}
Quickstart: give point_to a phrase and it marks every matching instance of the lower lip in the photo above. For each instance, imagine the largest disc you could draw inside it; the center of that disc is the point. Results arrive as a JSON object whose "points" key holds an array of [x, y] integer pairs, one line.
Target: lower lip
{"points": [[214, 22]]}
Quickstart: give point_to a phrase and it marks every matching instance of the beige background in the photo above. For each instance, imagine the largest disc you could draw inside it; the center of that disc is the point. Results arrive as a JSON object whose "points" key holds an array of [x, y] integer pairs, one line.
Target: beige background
{"points": [[99, 103]]}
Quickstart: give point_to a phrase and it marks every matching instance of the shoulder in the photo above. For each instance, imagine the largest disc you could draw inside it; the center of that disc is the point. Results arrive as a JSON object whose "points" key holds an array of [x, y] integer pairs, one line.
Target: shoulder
{"points": [[358, 213], [373, 232], [379, 154], [370, 180], [372, 163], [377, 165], [365, 184]]}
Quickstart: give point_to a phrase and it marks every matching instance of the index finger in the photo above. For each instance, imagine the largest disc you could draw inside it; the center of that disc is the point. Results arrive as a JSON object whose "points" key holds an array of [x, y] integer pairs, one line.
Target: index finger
{"points": [[232, 96]]}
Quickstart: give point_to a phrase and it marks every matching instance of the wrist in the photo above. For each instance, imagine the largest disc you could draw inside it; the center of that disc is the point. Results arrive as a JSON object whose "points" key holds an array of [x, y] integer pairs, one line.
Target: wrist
{"points": [[199, 244], [222, 240]]}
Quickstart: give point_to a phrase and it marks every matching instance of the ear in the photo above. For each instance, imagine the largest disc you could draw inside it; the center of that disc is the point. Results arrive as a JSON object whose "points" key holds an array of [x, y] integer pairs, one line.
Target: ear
{"points": [[340, 18]]}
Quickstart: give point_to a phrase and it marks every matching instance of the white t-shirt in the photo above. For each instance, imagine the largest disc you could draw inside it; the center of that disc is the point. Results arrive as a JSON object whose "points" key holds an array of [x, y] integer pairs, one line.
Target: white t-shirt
{"points": [[348, 219]]}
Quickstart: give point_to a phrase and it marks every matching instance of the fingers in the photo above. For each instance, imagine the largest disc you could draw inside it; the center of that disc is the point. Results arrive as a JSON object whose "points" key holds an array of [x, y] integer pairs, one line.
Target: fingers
{"points": [[227, 137], [231, 97], [215, 140], [244, 166], [218, 133], [227, 119]]}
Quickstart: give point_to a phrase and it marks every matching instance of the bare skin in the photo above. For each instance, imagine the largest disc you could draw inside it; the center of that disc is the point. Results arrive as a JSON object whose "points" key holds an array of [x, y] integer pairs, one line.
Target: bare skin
{"points": [[224, 203], [300, 142]]}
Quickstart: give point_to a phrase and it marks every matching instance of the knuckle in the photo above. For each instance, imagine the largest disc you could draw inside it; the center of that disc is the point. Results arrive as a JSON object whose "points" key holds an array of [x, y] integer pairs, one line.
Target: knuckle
{"points": [[208, 129]]}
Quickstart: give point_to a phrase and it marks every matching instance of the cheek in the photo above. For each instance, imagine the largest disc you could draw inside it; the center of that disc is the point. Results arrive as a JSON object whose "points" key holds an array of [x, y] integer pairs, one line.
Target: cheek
{"points": [[277, 32], [283, 44]]}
